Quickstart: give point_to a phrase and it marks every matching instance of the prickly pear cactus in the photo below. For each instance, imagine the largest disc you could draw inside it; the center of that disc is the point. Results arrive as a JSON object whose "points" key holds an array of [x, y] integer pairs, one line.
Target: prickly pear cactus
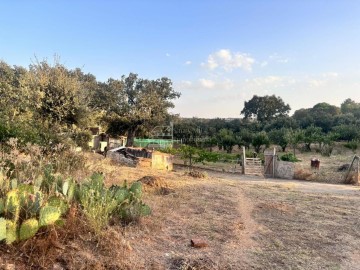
{"points": [[11, 232], [65, 187], [58, 203], [24, 191], [3, 182], [37, 183], [120, 194], [136, 189], [12, 204], [49, 215], [14, 183], [71, 191], [28, 229], [145, 210], [34, 203], [2, 206], [2, 229]]}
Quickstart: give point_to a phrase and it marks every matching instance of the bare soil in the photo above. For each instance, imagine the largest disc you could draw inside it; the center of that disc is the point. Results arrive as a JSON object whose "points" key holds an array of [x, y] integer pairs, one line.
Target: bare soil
{"points": [[247, 223]]}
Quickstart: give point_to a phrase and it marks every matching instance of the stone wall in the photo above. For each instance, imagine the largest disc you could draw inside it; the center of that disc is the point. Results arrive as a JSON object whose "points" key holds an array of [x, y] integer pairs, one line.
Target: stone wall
{"points": [[284, 169]]}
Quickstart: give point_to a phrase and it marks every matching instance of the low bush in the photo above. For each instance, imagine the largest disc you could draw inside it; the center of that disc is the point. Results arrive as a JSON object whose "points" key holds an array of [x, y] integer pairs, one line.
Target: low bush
{"points": [[352, 145], [82, 139], [289, 157]]}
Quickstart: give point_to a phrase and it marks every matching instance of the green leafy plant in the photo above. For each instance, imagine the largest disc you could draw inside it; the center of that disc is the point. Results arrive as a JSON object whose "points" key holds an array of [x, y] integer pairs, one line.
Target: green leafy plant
{"points": [[352, 145], [97, 202], [289, 157]]}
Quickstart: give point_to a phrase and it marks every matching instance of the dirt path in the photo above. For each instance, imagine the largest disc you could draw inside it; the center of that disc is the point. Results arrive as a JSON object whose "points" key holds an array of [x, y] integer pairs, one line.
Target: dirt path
{"points": [[298, 185], [248, 223], [211, 209]]}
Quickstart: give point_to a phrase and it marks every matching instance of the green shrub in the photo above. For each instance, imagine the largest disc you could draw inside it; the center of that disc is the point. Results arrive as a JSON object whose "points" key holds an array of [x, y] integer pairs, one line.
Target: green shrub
{"points": [[289, 157], [82, 139], [97, 202], [352, 145]]}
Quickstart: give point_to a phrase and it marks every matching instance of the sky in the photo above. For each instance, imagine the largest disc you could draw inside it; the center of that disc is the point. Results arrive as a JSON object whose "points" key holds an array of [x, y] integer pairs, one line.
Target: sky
{"points": [[218, 54]]}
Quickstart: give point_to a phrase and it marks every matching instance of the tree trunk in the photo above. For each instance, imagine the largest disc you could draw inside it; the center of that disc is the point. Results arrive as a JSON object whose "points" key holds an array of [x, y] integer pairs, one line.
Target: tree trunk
{"points": [[130, 137]]}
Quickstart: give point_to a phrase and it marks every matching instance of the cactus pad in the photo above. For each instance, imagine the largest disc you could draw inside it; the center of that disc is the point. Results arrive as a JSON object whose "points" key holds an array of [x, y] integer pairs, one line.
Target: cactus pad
{"points": [[2, 229], [49, 215], [121, 195], [58, 203], [12, 204], [2, 206], [28, 229], [145, 210], [11, 232], [136, 189]]}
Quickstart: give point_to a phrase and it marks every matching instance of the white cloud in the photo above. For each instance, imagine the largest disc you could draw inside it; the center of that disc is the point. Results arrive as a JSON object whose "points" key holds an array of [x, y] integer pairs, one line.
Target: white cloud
{"points": [[267, 81], [330, 75], [227, 84], [188, 83], [227, 60], [204, 84], [188, 62], [323, 79], [264, 64], [207, 83], [167, 54], [183, 85], [317, 83], [278, 58]]}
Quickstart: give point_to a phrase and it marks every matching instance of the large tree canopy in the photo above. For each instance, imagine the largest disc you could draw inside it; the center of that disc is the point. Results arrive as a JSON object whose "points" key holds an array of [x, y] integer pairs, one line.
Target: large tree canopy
{"points": [[321, 115], [133, 103], [17, 99], [265, 108], [63, 98], [350, 106]]}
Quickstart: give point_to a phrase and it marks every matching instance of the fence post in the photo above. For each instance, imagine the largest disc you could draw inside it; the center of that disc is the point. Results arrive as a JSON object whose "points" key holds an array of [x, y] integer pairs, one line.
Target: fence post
{"points": [[273, 161], [244, 160], [357, 172], [357, 158]]}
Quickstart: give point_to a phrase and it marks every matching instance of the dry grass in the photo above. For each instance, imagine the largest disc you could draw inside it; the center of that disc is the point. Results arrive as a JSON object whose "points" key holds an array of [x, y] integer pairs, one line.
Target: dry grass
{"points": [[305, 231], [246, 224], [208, 209]]}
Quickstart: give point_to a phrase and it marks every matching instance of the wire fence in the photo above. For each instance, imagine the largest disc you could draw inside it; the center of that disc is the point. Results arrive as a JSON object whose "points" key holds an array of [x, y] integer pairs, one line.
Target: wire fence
{"points": [[154, 143]]}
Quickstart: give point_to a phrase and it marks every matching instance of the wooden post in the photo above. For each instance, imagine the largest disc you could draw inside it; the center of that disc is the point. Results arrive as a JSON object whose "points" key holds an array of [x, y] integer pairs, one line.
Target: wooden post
{"points": [[244, 160], [357, 172], [273, 160], [351, 165]]}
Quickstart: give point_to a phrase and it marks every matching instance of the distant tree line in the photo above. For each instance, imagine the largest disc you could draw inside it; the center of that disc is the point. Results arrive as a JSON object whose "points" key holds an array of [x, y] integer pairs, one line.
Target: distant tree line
{"points": [[266, 121]]}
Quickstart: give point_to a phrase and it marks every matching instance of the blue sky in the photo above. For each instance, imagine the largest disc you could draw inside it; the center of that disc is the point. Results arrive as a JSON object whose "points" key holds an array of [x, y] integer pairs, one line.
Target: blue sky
{"points": [[217, 53]]}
